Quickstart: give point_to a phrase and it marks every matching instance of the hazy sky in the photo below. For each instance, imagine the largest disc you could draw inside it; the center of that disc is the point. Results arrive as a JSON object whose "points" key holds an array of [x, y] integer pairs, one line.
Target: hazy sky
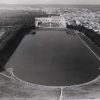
{"points": [[50, 1]]}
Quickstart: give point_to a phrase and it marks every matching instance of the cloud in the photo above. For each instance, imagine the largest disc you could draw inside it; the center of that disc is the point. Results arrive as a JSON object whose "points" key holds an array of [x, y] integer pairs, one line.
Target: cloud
{"points": [[50, 1], [9, 1]]}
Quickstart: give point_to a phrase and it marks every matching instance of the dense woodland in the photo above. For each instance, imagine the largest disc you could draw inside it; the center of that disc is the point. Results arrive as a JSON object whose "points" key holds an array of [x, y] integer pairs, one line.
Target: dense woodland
{"points": [[91, 34], [19, 17]]}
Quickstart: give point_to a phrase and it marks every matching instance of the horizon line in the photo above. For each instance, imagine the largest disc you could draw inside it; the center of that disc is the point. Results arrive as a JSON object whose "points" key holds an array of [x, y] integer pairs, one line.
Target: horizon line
{"points": [[43, 4]]}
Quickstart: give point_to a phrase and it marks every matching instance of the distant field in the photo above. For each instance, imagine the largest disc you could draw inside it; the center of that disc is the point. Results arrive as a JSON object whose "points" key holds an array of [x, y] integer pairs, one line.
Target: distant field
{"points": [[18, 17]]}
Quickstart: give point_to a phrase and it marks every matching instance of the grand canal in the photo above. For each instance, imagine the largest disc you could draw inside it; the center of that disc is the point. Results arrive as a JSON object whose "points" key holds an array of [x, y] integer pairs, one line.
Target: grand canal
{"points": [[54, 58]]}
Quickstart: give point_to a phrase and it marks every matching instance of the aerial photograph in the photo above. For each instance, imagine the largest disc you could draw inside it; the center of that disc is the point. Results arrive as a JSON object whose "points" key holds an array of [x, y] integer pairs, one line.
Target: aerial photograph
{"points": [[49, 49]]}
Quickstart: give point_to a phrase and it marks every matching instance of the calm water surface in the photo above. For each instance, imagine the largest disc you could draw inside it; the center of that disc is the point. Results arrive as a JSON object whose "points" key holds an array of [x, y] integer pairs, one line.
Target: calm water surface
{"points": [[54, 58]]}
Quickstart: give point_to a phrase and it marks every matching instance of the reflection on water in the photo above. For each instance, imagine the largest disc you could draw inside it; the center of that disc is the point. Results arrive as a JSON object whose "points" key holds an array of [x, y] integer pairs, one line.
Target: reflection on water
{"points": [[71, 34], [54, 58], [33, 33]]}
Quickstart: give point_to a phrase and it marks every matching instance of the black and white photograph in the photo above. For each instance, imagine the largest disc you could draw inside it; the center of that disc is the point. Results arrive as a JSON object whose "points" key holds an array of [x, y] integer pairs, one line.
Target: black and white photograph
{"points": [[49, 49]]}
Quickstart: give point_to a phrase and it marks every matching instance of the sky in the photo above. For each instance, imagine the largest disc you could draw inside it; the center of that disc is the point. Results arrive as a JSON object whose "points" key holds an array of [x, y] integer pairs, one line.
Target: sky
{"points": [[49, 1]]}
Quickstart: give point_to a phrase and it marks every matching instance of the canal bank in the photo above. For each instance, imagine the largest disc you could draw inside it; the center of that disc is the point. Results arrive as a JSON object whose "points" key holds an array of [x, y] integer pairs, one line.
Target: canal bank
{"points": [[8, 44], [12, 87], [94, 48]]}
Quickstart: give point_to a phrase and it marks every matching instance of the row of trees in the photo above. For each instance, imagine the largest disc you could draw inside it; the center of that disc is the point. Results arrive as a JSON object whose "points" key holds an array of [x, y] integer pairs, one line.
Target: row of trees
{"points": [[91, 34]]}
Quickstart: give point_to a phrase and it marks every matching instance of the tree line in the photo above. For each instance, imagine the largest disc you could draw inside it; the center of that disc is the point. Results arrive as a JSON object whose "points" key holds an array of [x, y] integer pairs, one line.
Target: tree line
{"points": [[90, 33]]}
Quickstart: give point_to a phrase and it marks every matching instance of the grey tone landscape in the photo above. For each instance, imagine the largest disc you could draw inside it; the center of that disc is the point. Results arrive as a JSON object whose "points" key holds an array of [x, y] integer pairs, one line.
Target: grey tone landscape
{"points": [[49, 52]]}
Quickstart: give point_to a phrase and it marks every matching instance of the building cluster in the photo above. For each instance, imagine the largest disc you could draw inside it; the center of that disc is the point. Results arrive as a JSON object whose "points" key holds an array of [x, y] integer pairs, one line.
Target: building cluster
{"points": [[51, 22], [83, 17], [78, 16]]}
